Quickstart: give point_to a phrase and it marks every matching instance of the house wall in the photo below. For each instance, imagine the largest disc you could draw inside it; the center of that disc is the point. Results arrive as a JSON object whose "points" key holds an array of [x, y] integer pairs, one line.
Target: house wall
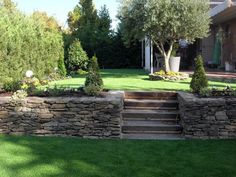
{"points": [[229, 44], [207, 47]]}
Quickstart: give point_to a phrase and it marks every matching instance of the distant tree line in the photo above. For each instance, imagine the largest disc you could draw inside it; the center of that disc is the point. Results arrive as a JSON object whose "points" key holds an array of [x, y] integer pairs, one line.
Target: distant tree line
{"points": [[93, 29]]}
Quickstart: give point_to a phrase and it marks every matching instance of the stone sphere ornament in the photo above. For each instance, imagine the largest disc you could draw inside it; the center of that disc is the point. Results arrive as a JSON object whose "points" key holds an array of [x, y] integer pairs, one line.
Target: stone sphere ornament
{"points": [[29, 74], [56, 69]]}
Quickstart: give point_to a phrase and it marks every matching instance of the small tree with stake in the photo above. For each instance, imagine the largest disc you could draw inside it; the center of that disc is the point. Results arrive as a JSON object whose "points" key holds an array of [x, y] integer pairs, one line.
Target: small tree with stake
{"points": [[199, 79], [165, 22]]}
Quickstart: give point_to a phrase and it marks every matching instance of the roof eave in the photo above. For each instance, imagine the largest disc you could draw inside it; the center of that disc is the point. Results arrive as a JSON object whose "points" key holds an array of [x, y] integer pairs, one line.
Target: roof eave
{"points": [[220, 8]]}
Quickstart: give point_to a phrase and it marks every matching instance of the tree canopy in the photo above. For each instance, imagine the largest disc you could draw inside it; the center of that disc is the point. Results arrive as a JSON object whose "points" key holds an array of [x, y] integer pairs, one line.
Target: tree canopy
{"points": [[165, 22]]}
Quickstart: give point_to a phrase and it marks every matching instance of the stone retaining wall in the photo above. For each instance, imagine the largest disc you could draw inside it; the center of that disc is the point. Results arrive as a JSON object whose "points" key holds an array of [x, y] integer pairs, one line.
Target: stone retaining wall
{"points": [[207, 118], [79, 116]]}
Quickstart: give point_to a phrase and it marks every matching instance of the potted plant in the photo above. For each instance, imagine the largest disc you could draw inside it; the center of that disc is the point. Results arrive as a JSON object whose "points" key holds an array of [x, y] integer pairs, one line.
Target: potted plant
{"points": [[229, 66], [174, 59]]}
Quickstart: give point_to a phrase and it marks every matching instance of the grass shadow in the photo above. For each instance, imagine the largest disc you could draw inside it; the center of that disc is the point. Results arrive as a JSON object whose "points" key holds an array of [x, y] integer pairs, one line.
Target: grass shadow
{"points": [[73, 157]]}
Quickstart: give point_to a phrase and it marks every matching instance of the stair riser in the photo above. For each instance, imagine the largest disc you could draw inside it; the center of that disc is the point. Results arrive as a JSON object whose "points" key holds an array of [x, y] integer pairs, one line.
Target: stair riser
{"points": [[150, 116], [150, 128], [151, 98], [153, 108], [152, 136], [140, 104], [127, 132], [163, 121], [150, 95]]}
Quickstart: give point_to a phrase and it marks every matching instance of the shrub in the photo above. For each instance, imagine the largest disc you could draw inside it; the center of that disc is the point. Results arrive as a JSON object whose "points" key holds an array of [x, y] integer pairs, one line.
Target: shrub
{"points": [[30, 84], [18, 95], [11, 85], [92, 90], [94, 77], [93, 82], [77, 58], [199, 79], [61, 67], [27, 43], [82, 72], [54, 76], [93, 64]]}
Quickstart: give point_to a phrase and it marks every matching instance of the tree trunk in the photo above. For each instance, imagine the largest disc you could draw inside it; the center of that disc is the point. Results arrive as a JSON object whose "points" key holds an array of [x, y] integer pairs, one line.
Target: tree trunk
{"points": [[165, 55], [167, 65]]}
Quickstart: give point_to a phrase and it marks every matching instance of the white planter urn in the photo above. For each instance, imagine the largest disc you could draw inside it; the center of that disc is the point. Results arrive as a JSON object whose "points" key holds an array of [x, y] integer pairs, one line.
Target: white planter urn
{"points": [[229, 66], [174, 64]]}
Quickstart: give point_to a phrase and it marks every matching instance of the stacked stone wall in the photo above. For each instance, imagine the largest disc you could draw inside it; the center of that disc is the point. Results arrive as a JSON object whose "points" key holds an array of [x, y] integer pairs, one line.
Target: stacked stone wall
{"points": [[207, 118], [62, 116]]}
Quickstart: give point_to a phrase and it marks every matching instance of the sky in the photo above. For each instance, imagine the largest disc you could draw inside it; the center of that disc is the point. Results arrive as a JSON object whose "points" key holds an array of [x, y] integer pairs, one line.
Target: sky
{"points": [[60, 8]]}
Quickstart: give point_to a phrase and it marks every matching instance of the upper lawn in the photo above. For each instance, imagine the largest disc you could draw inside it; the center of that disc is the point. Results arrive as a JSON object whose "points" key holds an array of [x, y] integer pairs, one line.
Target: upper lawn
{"points": [[134, 79], [72, 157]]}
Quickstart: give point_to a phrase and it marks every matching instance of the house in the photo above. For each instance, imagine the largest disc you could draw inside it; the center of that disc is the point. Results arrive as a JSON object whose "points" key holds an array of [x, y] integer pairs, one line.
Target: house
{"points": [[223, 14], [223, 27]]}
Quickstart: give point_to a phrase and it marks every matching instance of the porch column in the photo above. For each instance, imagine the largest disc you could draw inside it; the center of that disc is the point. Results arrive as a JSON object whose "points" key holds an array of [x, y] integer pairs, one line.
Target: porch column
{"points": [[151, 56], [142, 54]]}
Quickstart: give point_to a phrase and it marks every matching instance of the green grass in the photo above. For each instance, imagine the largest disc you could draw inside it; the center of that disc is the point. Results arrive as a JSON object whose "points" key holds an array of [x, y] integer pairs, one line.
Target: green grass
{"points": [[72, 157], [128, 79]]}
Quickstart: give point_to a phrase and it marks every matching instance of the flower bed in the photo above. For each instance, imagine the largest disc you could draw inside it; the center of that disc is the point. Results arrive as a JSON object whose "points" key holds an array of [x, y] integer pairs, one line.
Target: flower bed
{"points": [[169, 76]]}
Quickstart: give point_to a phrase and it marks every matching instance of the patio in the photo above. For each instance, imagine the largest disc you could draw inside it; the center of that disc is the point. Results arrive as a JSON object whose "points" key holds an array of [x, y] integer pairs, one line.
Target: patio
{"points": [[220, 76]]}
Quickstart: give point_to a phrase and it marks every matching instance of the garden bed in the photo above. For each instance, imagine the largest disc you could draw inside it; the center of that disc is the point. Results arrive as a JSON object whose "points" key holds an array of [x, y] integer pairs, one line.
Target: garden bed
{"points": [[169, 76]]}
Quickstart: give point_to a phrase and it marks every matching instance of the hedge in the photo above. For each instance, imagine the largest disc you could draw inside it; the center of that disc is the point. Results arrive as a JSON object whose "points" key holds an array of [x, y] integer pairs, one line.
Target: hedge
{"points": [[26, 43]]}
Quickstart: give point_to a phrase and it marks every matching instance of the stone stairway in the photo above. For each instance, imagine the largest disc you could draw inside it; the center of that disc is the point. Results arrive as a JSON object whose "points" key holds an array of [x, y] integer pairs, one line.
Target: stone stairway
{"points": [[151, 115]]}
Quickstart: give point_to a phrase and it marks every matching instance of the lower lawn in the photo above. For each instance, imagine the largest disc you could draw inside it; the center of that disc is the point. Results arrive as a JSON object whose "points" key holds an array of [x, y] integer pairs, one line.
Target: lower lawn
{"points": [[72, 157], [134, 79]]}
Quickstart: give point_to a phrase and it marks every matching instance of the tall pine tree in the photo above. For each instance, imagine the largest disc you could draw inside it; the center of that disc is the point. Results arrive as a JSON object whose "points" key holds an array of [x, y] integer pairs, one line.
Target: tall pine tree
{"points": [[83, 23]]}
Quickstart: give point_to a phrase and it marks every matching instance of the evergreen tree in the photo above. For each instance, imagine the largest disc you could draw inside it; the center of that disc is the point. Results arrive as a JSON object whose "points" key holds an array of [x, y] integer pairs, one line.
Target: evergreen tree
{"points": [[74, 18], [93, 83], [61, 67], [77, 58], [94, 77], [83, 23], [104, 23], [8, 4], [199, 79], [27, 43], [104, 50]]}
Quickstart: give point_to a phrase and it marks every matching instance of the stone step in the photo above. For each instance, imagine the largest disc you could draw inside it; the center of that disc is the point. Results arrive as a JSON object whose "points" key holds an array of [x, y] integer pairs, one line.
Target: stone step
{"points": [[153, 136], [141, 127], [151, 95], [150, 103], [146, 132], [159, 120], [128, 122], [150, 114], [152, 108]]}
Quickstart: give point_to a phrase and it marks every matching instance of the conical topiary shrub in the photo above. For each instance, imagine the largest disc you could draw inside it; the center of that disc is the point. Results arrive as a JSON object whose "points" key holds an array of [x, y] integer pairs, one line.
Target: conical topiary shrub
{"points": [[93, 83], [199, 79]]}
